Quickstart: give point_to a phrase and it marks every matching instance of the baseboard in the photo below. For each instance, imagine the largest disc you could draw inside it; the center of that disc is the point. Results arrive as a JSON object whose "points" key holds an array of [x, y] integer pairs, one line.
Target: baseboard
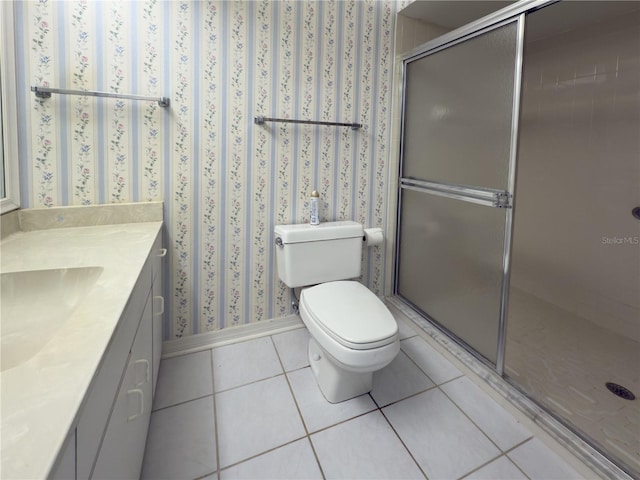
{"points": [[226, 336]]}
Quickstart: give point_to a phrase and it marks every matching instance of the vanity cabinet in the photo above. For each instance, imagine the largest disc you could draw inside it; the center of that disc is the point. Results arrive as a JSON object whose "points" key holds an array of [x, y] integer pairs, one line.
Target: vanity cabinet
{"points": [[112, 428]]}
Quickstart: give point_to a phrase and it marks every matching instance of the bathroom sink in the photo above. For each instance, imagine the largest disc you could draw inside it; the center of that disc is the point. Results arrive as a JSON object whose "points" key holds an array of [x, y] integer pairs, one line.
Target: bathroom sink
{"points": [[34, 305]]}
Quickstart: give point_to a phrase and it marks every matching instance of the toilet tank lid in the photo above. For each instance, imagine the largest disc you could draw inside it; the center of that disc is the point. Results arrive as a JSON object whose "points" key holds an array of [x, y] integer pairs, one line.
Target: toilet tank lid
{"points": [[304, 232]]}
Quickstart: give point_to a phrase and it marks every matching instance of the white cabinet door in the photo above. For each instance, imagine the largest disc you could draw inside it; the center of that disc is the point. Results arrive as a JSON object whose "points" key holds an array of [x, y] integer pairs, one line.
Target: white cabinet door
{"points": [[123, 446]]}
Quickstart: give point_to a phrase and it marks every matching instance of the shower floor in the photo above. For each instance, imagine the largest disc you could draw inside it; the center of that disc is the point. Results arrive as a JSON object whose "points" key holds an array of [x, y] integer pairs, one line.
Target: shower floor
{"points": [[563, 361]]}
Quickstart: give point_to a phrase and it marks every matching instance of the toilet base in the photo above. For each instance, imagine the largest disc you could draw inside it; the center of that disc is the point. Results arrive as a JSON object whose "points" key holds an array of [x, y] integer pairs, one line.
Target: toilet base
{"points": [[336, 383]]}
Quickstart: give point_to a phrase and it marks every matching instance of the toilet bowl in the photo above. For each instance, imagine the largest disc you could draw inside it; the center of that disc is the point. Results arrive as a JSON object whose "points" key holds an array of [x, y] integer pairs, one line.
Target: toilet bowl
{"points": [[353, 335]]}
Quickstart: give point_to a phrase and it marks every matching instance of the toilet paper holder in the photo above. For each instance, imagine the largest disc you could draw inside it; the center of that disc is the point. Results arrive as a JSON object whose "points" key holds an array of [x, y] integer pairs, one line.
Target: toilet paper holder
{"points": [[373, 237]]}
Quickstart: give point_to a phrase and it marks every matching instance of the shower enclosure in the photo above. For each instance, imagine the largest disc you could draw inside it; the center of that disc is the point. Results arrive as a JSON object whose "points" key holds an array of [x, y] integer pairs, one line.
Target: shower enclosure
{"points": [[517, 234]]}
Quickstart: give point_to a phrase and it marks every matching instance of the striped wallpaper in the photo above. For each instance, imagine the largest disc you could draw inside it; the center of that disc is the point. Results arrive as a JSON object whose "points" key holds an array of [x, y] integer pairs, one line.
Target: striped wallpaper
{"points": [[225, 181]]}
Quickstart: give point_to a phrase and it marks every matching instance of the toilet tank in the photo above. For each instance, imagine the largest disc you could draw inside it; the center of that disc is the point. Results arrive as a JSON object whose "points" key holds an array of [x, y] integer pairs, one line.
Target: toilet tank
{"points": [[310, 254]]}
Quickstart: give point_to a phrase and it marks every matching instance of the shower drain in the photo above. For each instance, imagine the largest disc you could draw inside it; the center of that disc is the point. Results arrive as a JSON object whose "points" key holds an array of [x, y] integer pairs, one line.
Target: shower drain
{"points": [[620, 391]]}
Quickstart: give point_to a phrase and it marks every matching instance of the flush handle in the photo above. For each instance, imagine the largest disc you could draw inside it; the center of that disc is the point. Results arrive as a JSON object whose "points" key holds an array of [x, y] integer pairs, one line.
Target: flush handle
{"points": [[279, 242]]}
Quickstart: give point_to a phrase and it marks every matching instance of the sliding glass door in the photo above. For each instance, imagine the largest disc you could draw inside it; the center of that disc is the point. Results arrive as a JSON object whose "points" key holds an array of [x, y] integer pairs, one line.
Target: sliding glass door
{"points": [[458, 147]]}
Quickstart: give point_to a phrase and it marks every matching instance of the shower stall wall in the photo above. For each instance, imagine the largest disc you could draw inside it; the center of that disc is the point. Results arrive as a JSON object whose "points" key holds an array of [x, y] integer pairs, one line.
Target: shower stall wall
{"points": [[519, 172]]}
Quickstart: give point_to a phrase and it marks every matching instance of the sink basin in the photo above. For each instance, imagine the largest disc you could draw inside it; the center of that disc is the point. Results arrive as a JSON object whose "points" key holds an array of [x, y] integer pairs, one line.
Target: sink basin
{"points": [[34, 305]]}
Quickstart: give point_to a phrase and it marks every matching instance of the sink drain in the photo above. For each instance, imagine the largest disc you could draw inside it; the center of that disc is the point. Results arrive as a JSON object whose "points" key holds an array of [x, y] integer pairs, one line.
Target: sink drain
{"points": [[620, 391]]}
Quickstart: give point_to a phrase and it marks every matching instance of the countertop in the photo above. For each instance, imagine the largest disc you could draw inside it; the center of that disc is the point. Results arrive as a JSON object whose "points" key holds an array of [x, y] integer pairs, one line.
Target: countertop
{"points": [[42, 398]]}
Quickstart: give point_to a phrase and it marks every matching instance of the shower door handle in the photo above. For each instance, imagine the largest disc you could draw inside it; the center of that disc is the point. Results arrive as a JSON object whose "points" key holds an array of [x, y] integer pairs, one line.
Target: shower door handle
{"points": [[488, 197]]}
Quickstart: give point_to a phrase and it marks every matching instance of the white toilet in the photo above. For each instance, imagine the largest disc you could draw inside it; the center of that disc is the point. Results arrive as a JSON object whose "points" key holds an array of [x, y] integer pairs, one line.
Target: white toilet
{"points": [[352, 332]]}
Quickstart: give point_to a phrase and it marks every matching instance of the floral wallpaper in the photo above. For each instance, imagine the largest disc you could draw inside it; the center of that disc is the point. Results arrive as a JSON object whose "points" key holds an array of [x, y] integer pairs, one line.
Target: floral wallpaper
{"points": [[225, 181]]}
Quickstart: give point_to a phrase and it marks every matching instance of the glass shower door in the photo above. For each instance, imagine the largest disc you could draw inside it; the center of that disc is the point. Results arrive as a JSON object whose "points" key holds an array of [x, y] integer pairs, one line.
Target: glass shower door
{"points": [[458, 145]]}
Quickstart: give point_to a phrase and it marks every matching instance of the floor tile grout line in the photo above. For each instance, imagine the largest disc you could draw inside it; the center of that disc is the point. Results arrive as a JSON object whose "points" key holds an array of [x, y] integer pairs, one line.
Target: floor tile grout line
{"points": [[182, 403], [403, 444], [480, 467], [295, 401], [478, 426], [253, 457], [451, 380], [315, 454], [342, 421], [201, 477], [215, 416], [407, 397], [248, 383], [518, 445], [418, 366], [471, 420], [422, 370], [215, 390]]}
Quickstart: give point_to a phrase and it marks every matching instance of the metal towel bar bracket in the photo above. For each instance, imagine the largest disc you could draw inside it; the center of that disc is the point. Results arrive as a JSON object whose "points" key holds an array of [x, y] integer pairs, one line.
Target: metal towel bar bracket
{"points": [[259, 120], [45, 92]]}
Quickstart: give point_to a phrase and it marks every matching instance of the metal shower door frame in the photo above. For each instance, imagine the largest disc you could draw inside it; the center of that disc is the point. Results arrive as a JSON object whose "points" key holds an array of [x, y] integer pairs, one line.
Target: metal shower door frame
{"points": [[513, 14]]}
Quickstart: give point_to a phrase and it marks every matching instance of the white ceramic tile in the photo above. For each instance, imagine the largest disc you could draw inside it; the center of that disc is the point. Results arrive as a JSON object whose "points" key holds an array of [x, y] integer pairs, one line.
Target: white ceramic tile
{"points": [[245, 362], [398, 380], [181, 442], [500, 469], [183, 378], [255, 418], [438, 368], [365, 447], [294, 461], [540, 462], [292, 348], [317, 412], [496, 422], [444, 442]]}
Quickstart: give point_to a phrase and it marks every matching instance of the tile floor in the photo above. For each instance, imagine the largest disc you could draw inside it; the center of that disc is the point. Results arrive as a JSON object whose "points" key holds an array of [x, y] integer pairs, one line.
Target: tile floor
{"points": [[252, 410]]}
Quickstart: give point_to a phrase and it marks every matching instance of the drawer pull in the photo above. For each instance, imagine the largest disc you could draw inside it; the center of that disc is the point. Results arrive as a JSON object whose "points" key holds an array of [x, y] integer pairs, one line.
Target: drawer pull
{"points": [[161, 299], [140, 395], [145, 363]]}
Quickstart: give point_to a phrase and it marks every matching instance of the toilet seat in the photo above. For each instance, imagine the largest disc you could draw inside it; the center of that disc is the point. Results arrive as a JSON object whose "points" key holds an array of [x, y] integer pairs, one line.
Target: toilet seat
{"points": [[350, 314]]}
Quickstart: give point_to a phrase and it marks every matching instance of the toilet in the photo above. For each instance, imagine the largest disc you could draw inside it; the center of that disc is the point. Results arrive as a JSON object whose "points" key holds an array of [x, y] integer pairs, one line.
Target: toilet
{"points": [[353, 334]]}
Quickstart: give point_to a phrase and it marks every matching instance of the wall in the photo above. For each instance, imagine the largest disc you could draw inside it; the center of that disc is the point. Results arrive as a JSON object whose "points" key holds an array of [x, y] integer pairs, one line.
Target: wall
{"points": [[576, 244], [225, 181]]}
